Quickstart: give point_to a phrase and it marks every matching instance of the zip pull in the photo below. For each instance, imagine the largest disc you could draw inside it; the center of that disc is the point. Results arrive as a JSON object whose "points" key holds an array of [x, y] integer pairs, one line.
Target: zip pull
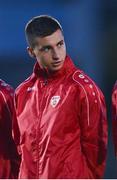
{"points": [[45, 82]]}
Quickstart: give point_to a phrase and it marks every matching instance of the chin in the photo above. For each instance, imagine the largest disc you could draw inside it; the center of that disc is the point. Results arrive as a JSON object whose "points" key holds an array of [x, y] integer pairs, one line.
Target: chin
{"points": [[54, 69]]}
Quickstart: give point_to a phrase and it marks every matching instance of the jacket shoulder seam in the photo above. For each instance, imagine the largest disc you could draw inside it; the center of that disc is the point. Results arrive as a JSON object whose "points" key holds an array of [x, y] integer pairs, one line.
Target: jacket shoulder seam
{"points": [[23, 84], [85, 79], [87, 100]]}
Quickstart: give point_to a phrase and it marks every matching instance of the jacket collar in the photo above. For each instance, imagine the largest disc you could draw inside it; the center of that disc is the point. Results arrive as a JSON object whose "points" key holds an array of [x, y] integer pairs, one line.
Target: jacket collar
{"points": [[44, 74]]}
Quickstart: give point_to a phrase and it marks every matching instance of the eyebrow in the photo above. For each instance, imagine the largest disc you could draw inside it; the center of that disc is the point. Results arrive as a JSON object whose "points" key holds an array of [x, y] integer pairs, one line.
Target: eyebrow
{"points": [[60, 42], [49, 46]]}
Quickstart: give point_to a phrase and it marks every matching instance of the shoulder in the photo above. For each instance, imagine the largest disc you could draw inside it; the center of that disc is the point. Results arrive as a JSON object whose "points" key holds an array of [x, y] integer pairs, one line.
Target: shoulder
{"points": [[6, 96], [114, 94], [115, 87], [87, 86], [24, 85], [6, 91]]}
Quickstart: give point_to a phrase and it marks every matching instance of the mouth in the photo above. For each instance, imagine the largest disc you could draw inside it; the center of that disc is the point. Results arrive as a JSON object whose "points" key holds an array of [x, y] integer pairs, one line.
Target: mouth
{"points": [[57, 63]]}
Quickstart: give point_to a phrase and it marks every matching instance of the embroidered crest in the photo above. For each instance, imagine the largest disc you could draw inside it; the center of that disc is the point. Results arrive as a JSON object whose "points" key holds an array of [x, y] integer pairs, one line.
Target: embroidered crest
{"points": [[54, 101]]}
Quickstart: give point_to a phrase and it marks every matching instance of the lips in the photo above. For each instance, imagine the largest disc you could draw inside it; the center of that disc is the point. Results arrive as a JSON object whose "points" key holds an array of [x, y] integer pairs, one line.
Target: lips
{"points": [[56, 63]]}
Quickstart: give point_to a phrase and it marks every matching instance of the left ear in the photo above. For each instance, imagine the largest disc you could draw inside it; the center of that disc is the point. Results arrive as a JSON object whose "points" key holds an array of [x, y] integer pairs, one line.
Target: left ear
{"points": [[31, 52]]}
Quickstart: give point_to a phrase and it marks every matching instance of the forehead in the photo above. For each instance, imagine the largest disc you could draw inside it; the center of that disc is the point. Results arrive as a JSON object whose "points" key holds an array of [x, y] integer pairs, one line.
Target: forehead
{"points": [[51, 39]]}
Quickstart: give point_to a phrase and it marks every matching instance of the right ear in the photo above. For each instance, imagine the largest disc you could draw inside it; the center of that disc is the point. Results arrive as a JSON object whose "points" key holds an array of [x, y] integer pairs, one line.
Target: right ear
{"points": [[31, 52]]}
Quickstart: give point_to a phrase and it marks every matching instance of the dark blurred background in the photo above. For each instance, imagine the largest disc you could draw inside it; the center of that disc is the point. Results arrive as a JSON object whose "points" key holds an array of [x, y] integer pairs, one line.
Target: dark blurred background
{"points": [[90, 29]]}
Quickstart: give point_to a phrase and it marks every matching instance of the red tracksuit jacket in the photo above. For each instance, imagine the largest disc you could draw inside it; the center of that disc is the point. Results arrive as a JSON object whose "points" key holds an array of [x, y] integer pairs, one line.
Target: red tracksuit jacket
{"points": [[8, 152], [114, 116], [62, 125]]}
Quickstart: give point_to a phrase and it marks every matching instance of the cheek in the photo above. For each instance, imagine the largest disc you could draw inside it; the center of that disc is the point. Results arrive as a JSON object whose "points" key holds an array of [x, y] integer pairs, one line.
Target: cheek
{"points": [[64, 50], [63, 53], [44, 60]]}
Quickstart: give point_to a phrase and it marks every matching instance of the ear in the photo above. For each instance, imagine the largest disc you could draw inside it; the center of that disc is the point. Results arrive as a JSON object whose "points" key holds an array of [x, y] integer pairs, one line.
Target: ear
{"points": [[31, 52]]}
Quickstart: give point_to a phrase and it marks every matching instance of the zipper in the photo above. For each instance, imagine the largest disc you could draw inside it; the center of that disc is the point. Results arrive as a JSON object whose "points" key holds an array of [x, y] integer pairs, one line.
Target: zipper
{"points": [[44, 83], [38, 135]]}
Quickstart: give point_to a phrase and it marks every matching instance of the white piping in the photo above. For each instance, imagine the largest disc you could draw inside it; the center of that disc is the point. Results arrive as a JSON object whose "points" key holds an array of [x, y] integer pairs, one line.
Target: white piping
{"points": [[97, 92], [85, 94]]}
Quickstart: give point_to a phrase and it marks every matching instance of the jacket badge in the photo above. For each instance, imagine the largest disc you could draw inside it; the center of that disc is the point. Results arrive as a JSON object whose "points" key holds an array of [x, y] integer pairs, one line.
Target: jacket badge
{"points": [[54, 101]]}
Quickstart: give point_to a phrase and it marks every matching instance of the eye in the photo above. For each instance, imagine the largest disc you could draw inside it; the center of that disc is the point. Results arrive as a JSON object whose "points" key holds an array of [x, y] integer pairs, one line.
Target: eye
{"points": [[46, 49], [60, 44]]}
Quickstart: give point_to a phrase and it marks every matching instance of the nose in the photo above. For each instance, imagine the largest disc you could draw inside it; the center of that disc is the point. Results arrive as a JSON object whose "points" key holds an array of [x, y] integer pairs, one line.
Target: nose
{"points": [[55, 54]]}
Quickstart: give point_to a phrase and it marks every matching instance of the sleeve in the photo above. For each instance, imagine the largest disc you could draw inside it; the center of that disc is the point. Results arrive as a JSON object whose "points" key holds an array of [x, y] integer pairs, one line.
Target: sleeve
{"points": [[16, 131], [114, 117], [16, 159], [93, 124], [9, 160]]}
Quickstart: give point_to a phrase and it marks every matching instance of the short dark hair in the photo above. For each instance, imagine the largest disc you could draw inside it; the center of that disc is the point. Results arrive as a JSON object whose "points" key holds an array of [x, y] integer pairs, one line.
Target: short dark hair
{"points": [[40, 26]]}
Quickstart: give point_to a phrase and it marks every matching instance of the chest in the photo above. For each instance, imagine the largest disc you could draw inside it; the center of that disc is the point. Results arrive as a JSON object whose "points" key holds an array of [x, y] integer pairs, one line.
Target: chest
{"points": [[54, 105]]}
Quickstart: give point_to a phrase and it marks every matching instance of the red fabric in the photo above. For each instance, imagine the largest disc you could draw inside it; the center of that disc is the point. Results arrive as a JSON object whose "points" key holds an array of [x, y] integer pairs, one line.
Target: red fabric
{"points": [[62, 125], [114, 116], [8, 152]]}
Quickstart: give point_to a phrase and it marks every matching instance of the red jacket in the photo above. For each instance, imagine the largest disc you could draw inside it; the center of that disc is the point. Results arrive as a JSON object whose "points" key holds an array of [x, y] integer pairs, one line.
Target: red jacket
{"points": [[114, 116], [61, 119], [8, 153]]}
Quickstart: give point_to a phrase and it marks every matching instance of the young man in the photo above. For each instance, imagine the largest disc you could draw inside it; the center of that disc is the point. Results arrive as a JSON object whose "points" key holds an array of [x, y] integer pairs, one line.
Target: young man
{"points": [[61, 114], [8, 152], [114, 116]]}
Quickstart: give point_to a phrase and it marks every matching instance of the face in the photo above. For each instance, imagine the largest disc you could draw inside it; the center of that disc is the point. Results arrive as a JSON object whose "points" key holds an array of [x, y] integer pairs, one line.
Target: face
{"points": [[50, 51]]}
